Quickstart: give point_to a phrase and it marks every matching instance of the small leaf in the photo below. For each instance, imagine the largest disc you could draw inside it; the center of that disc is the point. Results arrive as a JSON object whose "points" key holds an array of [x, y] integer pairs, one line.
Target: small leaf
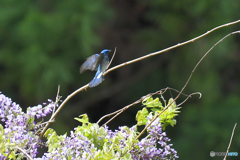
{"points": [[48, 133], [142, 117], [127, 156], [83, 119], [150, 102]]}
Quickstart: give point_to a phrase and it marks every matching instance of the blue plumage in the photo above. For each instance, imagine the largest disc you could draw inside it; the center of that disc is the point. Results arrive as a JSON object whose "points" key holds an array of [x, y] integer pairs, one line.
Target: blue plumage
{"points": [[99, 63]]}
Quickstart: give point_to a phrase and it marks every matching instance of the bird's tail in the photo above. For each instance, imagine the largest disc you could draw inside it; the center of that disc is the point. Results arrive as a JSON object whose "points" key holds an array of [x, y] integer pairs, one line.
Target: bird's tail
{"points": [[96, 80]]}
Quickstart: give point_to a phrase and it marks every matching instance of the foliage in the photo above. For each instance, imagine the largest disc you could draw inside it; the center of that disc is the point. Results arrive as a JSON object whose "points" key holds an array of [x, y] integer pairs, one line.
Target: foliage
{"points": [[87, 141], [166, 118]]}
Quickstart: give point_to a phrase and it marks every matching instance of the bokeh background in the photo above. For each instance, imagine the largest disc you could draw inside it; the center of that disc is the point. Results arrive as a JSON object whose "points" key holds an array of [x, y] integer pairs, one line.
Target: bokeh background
{"points": [[43, 43]]}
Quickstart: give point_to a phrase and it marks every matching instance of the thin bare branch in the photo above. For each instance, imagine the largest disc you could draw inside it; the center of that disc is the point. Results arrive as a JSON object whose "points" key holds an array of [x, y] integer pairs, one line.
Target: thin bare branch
{"points": [[123, 109], [177, 91], [230, 141], [41, 124], [25, 153], [61, 106], [170, 48], [57, 99], [189, 96], [118, 112], [8, 155], [108, 115], [112, 58], [186, 82]]}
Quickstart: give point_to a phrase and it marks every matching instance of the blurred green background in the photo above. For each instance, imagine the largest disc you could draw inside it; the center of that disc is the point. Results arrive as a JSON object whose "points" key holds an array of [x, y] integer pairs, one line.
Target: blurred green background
{"points": [[43, 43]]}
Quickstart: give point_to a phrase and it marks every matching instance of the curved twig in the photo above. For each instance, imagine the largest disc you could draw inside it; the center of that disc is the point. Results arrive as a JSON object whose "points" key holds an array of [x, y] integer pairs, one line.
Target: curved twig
{"points": [[25, 153], [186, 82], [61, 106], [189, 96], [108, 115], [118, 112], [111, 59], [8, 155], [57, 99]]}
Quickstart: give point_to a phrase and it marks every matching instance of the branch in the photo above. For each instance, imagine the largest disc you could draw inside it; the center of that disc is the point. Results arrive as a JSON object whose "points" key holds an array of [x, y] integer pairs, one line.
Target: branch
{"points": [[8, 155], [61, 106], [230, 141], [25, 153], [169, 48], [162, 91], [118, 112], [112, 58], [57, 99], [187, 81], [108, 115], [189, 96]]}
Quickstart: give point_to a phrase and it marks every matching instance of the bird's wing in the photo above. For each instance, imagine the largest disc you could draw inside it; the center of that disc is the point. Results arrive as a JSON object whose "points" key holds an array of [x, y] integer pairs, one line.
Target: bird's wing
{"points": [[91, 63]]}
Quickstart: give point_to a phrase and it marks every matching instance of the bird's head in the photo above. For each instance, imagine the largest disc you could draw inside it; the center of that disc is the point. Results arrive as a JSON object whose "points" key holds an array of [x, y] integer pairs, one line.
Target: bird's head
{"points": [[106, 51]]}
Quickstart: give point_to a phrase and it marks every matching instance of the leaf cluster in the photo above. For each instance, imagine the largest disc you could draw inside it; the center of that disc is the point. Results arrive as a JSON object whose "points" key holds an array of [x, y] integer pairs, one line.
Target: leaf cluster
{"points": [[155, 106]]}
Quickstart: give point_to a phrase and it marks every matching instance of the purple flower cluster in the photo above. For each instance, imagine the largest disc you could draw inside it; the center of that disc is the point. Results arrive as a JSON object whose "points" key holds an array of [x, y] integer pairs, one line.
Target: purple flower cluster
{"points": [[95, 142], [147, 147], [40, 111], [18, 129], [70, 148], [89, 141], [84, 144]]}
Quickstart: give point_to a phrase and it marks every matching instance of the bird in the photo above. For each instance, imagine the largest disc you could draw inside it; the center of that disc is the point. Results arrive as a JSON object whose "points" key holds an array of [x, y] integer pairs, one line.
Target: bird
{"points": [[99, 63]]}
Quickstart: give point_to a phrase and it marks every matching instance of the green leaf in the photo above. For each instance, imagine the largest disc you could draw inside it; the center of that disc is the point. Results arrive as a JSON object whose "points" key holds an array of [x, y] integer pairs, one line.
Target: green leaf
{"points": [[156, 109], [83, 119], [53, 139], [12, 155], [150, 102], [167, 117], [48, 133], [173, 105], [127, 156], [173, 122], [142, 117]]}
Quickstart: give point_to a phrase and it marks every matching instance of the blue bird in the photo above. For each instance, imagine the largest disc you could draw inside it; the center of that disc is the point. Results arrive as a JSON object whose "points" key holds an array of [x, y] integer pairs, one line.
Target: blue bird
{"points": [[99, 63]]}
